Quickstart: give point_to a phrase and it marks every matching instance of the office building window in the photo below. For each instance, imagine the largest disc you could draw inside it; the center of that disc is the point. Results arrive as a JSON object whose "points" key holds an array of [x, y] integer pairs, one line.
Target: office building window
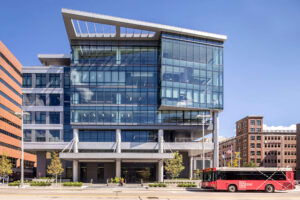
{"points": [[258, 130], [252, 153], [252, 129], [252, 160], [252, 145], [40, 81], [252, 137], [54, 135], [27, 118], [54, 80], [252, 122], [258, 137], [27, 135], [27, 80], [258, 122], [40, 99], [258, 160], [258, 145], [28, 99], [54, 100], [40, 135], [54, 117], [258, 153], [40, 117]]}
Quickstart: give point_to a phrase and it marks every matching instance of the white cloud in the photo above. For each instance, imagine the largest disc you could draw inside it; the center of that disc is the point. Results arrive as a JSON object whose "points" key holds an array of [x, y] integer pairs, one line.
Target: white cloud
{"points": [[291, 127]]}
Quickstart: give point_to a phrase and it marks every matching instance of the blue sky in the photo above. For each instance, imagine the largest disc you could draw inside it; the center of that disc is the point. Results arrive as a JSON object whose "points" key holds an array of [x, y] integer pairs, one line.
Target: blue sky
{"points": [[262, 53]]}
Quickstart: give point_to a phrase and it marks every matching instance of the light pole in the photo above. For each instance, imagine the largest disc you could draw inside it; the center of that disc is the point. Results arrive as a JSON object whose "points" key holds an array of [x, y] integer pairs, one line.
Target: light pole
{"points": [[203, 148], [22, 146]]}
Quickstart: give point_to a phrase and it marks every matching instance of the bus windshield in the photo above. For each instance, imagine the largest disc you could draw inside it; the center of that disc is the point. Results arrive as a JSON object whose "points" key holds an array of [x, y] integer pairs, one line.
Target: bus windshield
{"points": [[209, 176]]}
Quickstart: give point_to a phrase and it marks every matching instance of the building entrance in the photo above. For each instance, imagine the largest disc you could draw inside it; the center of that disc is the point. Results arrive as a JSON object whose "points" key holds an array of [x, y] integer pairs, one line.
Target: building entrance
{"points": [[91, 172], [134, 172]]}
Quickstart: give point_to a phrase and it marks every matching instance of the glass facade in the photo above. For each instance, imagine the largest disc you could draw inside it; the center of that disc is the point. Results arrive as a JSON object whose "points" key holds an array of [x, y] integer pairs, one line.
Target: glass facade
{"points": [[114, 84], [120, 85], [191, 72]]}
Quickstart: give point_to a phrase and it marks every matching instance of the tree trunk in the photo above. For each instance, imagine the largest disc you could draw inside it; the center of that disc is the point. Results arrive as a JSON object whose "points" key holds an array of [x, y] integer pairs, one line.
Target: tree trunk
{"points": [[56, 179]]}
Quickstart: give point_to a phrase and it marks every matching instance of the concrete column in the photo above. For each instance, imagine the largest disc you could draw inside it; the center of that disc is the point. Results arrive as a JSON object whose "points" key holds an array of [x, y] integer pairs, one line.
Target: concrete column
{"points": [[75, 170], [215, 139], [41, 163], [160, 141], [191, 167], [76, 140], [118, 140], [160, 170], [118, 168]]}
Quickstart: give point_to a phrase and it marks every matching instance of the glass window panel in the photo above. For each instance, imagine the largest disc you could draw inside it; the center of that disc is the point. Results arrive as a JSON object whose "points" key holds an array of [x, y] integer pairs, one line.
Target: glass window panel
{"points": [[40, 135], [93, 76], [40, 99], [54, 117], [54, 99]]}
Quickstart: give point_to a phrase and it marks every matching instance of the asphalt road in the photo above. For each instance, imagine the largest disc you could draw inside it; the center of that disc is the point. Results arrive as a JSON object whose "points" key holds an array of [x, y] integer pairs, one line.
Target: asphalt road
{"points": [[138, 194]]}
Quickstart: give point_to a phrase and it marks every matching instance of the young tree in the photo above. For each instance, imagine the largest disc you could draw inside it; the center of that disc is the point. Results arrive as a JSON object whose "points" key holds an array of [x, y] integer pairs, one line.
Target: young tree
{"points": [[250, 164], [174, 165], [235, 162], [55, 167], [5, 167]]}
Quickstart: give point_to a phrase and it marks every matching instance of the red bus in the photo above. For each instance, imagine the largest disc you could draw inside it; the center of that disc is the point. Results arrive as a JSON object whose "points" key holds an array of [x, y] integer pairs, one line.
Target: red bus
{"points": [[246, 178]]}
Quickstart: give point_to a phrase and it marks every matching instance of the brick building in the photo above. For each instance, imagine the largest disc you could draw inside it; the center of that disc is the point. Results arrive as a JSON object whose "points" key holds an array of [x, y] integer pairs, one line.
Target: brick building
{"points": [[10, 106], [266, 148], [225, 148], [298, 153]]}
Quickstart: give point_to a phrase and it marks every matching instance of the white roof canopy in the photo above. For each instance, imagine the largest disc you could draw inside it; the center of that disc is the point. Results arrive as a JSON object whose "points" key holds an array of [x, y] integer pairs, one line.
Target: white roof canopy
{"points": [[91, 26]]}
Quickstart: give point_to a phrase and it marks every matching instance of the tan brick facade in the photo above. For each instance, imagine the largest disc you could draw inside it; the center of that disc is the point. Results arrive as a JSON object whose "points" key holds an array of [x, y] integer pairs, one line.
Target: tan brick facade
{"points": [[11, 102]]}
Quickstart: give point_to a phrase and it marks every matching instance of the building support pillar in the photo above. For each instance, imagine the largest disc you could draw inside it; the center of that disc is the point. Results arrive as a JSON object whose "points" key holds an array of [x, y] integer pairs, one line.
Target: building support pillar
{"points": [[118, 141], [118, 168], [160, 170], [160, 141], [215, 139], [41, 163], [75, 140], [75, 170], [191, 167]]}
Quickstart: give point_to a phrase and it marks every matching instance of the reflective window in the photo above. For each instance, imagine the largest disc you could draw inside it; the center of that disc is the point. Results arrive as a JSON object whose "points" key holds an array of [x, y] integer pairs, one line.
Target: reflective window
{"points": [[40, 135], [27, 118], [28, 100], [54, 99], [54, 117], [27, 135], [139, 136], [40, 81], [27, 80], [40, 99], [40, 117], [97, 136], [54, 135], [54, 80], [192, 70]]}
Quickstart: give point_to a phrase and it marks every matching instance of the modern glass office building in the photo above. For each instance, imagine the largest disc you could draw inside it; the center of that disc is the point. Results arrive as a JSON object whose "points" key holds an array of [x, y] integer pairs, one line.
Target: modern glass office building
{"points": [[129, 95]]}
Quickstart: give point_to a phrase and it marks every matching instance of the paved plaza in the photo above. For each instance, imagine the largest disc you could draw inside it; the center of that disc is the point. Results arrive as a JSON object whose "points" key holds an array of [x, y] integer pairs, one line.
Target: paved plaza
{"points": [[137, 193]]}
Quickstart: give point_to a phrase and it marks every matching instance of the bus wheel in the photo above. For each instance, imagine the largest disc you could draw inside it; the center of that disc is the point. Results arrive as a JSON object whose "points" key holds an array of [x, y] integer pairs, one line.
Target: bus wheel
{"points": [[269, 188], [232, 188]]}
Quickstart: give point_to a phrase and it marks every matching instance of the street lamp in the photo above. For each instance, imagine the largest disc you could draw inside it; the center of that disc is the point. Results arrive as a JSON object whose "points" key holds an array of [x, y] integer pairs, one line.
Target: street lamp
{"points": [[203, 123], [22, 146]]}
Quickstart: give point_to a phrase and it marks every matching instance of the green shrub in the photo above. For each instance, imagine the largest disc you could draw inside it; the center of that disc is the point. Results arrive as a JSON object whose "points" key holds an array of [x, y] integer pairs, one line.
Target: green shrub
{"points": [[39, 183], [72, 184], [117, 180], [46, 178], [158, 185], [15, 183], [187, 185]]}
